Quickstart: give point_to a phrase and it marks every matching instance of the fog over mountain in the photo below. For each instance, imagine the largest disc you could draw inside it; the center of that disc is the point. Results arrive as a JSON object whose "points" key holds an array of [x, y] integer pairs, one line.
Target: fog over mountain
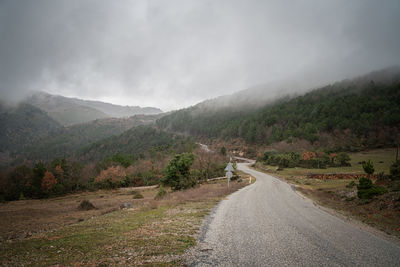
{"points": [[69, 111], [172, 54]]}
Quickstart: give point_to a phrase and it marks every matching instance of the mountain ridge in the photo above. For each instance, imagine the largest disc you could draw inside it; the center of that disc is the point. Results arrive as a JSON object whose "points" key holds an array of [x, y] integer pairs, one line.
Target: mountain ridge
{"points": [[68, 111], [350, 114]]}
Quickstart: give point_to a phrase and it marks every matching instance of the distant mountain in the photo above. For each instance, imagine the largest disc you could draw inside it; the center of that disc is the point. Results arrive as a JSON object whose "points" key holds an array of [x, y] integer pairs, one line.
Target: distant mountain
{"points": [[68, 111], [21, 126], [357, 113], [117, 111]]}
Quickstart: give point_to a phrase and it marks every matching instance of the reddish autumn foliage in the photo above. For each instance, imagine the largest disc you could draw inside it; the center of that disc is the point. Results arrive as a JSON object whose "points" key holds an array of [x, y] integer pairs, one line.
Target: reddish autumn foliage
{"points": [[113, 174], [48, 181], [308, 155]]}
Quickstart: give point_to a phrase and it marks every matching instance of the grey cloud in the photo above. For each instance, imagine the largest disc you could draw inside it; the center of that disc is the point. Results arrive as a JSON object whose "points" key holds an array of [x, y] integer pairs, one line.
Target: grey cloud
{"points": [[172, 54]]}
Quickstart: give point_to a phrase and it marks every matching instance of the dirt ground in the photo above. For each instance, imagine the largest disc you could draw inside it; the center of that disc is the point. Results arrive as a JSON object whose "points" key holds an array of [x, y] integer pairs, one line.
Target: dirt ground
{"points": [[23, 218]]}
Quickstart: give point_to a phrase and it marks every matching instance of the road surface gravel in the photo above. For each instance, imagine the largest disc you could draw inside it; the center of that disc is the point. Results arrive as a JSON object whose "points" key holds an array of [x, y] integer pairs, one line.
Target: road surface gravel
{"points": [[269, 224]]}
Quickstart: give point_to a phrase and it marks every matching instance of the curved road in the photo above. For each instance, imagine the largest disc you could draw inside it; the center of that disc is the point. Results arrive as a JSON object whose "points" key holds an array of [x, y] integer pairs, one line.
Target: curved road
{"points": [[268, 224]]}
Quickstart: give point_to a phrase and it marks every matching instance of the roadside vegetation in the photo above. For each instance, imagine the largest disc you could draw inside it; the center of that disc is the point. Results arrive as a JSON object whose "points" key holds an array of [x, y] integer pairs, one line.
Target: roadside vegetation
{"points": [[366, 188], [156, 165]]}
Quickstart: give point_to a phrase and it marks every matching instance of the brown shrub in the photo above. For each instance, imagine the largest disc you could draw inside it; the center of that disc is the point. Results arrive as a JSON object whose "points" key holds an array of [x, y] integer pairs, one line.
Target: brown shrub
{"points": [[86, 205]]}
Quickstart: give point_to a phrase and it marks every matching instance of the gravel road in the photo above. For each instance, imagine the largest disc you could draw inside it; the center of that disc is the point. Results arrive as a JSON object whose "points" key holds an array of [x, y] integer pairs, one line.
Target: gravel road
{"points": [[269, 224]]}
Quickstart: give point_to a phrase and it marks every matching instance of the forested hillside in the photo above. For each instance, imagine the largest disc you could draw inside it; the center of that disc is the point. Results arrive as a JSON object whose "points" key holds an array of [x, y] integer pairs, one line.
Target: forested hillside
{"points": [[65, 141], [364, 112], [137, 142], [22, 125]]}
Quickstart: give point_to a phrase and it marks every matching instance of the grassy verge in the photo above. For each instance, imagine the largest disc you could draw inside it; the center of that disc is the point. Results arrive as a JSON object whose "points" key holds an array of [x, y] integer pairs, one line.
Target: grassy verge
{"points": [[382, 212], [154, 232]]}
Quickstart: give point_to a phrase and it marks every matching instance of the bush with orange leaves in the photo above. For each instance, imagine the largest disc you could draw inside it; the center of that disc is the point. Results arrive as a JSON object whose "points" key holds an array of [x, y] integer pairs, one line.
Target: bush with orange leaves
{"points": [[112, 177], [308, 155], [48, 182]]}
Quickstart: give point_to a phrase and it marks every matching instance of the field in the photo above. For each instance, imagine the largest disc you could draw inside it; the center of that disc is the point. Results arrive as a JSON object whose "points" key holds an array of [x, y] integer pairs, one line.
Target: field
{"points": [[381, 158], [152, 232], [382, 212]]}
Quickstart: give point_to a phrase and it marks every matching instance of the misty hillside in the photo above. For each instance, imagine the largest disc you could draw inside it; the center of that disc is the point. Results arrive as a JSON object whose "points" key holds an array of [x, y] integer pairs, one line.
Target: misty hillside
{"points": [[136, 142], [22, 125], [362, 112], [65, 141], [117, 111], [69, 111]]}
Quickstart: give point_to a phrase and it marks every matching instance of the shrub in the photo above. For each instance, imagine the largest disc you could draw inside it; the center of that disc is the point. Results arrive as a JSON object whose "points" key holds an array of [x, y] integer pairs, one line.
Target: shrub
{"points": [[86, 205], [375, 190], [137, 195], [223, 151], [161, 193], [395, 170], [177, 172], [283, 163], [368, 167], [364, 183], [268, 154], [111, 177], [367, 190], [343, 159]]}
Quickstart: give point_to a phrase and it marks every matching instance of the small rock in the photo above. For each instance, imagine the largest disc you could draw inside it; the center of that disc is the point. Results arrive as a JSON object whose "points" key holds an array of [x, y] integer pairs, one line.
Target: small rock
{"points": [[351, 194], [126, 205]]}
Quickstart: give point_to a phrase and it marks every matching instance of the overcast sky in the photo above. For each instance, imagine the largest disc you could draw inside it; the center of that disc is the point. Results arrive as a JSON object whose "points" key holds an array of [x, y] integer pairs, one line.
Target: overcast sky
{"points": [[172, 54]]}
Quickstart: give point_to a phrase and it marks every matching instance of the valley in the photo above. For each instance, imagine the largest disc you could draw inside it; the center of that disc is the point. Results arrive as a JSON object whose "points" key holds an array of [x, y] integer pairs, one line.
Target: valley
{"points": [[325, 143]]}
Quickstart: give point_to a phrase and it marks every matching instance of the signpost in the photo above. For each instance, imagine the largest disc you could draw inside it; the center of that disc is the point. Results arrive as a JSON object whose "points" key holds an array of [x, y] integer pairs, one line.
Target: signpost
{"points": [[229, 169]]}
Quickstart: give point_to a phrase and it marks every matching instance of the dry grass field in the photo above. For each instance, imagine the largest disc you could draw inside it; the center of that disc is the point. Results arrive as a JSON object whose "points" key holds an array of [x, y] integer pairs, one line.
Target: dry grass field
{"points": [[152, 232]]}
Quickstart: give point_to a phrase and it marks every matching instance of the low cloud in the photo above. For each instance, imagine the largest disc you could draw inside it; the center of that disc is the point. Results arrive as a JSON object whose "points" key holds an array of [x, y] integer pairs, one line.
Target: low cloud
{"points": [[172, 54]]}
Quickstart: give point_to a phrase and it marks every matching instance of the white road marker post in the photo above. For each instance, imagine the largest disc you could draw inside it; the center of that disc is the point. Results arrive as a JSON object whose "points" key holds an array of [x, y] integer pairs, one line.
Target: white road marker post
{"points": [[229, 175], [229, 169]]}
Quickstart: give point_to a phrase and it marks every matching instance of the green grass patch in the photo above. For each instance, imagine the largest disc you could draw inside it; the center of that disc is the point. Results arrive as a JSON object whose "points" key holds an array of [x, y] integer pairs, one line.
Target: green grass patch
{"points": [[381, 158]]}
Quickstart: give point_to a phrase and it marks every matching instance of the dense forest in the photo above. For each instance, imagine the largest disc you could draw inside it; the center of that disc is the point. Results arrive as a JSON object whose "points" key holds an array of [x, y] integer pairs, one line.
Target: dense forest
{"points": [[23, 124], [66, 141], [345, 116], [139, 142]]}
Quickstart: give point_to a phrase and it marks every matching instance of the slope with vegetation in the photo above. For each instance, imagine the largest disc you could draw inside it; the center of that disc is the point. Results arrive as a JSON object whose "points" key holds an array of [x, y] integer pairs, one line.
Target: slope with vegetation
{"points": [[22, 125], [360, 113], [137, 141], [66, 141], [138, 157]]}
